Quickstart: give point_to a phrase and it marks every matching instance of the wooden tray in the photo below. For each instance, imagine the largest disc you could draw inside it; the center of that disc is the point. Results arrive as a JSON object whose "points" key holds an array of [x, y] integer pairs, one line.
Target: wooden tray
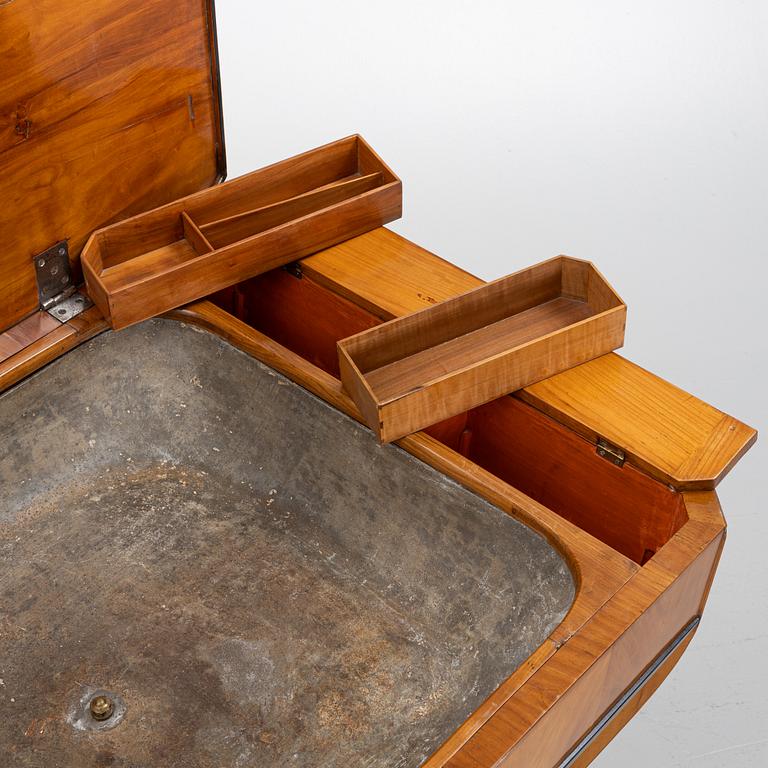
{"points": [[200, 244], [414, 371]]}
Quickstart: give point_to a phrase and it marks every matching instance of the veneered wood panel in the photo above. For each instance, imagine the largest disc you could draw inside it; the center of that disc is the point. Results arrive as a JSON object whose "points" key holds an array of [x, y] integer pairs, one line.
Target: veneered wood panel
{"points": [[663, 430], [621, 506], [107, 108], [622, 617], [24, 333], [53, 344], [436, 363], [591, 670], [540, 712]]}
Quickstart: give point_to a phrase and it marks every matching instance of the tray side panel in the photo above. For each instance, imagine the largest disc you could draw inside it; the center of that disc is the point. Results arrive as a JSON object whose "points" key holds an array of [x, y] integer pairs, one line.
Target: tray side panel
{"points": [[502, 374]]}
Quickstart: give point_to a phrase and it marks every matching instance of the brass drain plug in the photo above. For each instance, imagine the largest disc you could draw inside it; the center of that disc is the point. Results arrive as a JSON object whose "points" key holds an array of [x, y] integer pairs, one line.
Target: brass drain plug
{"points": [[101, 708]]}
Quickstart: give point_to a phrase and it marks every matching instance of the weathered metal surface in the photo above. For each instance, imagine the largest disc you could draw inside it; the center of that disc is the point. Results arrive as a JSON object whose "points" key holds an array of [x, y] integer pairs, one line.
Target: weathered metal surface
{"points": [[257, 579]]}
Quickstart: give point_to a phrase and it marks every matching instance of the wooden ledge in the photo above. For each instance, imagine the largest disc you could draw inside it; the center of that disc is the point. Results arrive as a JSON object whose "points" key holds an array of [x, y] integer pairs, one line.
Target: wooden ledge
{"points": [[662, 430], [52, 344]]}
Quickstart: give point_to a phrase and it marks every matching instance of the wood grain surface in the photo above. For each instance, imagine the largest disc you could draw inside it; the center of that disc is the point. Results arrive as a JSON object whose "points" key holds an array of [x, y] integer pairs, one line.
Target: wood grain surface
{"points": [[623, 615], [203, 243], [24, 333], [465, 351], [665, 431], [48, 347], [109, 109]]}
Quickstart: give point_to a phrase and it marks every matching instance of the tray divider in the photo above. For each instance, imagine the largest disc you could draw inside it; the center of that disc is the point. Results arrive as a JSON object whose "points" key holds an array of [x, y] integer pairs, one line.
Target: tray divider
{"points": [[194, 236], [190, 248], [240, 226]]}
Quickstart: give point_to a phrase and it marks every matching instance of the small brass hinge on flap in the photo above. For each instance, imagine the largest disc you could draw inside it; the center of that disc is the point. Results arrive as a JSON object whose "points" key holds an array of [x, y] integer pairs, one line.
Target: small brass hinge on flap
{"points": [[610, 452], [56, 290]]}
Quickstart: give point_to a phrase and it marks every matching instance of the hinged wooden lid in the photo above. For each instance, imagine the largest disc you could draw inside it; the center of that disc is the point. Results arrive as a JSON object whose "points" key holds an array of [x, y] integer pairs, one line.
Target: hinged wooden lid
{"points": [[107, 108]]}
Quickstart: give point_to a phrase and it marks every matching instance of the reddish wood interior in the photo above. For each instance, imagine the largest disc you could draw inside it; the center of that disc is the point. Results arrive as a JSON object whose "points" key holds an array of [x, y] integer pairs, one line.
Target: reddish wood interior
{"points": [[621, 506]]}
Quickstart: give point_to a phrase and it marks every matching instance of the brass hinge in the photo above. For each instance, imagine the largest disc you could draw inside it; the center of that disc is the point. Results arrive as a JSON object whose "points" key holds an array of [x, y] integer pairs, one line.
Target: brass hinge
{"points": [[610, 452], [56, 290]]}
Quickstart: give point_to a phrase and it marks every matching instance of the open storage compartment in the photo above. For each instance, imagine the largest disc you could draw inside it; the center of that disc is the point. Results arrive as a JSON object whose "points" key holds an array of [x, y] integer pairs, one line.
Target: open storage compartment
{"points": [[621, 506], [192, 247], [416, 370]]}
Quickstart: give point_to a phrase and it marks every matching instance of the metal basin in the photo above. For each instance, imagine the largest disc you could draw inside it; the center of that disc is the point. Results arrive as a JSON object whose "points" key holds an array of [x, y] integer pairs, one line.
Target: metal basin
{"points": [[244, 569]]}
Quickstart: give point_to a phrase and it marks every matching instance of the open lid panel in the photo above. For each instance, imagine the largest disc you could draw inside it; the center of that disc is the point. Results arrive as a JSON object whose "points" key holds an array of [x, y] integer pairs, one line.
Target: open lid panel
{"points": [[107, 108]]}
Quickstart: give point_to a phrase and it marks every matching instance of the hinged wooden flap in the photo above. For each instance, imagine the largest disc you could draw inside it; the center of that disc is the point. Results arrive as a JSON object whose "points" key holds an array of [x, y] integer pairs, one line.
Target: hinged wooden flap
{"points": [[107, 108], [657, 427]]}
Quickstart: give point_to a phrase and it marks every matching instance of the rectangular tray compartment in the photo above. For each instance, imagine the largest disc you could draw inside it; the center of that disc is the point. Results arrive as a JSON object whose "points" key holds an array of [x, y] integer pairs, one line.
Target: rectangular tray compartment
{"points": [[200, 244], [414, 371]]}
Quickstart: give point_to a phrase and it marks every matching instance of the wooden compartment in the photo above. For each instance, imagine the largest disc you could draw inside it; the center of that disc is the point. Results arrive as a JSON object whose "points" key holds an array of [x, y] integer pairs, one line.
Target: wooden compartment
{"points": [[194, 246], [629, 511], [417, 370]]}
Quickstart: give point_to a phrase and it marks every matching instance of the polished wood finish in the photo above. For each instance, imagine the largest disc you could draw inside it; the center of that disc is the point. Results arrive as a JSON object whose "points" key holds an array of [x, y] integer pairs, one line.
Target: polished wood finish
{"points": [[24, 333], [427, 366], [244, 225], [110, 108], [272, 302], [623, 507], [48, 347], [609, 397], [662, 429], [203, 243], [598, 570], [119, 113]]}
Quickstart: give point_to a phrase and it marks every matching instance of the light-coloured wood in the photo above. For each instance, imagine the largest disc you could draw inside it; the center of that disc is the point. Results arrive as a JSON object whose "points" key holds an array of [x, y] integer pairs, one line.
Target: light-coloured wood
{"points": [[598, 569], [703, 509], [661, 428], [589, 672], [622, 506], [404, 374], [632, 707], [430, 365], [666, 432], [387, 274], [53, 344], [110, 108], [147, 265], [24, 333]]}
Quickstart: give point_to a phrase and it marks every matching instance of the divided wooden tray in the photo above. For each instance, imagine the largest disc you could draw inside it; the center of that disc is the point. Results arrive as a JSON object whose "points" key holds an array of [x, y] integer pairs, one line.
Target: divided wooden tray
{"points": [[200, 244], [419, 369]]}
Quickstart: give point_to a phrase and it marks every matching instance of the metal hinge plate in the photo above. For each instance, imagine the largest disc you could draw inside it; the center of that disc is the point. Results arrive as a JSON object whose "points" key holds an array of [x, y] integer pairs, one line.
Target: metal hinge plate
{"points": [[55, 287], [294, 268], [610, 452]]}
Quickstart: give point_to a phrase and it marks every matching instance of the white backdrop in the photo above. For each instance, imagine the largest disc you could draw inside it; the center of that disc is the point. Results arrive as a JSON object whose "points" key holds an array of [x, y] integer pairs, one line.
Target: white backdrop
{"points": [[631, 134]]}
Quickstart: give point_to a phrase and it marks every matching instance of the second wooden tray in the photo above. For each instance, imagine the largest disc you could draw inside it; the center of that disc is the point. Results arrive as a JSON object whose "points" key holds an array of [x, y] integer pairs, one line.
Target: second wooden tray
{"points": [[409, 373]]}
